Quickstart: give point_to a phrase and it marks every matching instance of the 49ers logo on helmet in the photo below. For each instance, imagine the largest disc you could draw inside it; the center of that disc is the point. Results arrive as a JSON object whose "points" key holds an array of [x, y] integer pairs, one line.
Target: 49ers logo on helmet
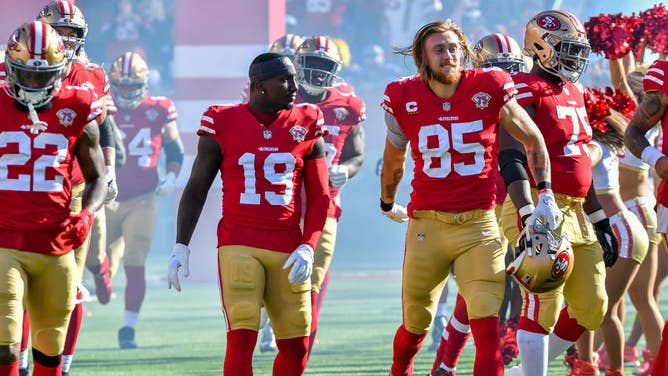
{"points": [[548, 22], [560, 265]]}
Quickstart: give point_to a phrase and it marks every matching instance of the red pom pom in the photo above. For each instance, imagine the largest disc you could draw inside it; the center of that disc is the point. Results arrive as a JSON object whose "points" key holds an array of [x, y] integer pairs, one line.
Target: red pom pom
{"points": [[656, 28], [621, 102], [609, 34], [597, 108], [636, 24]]}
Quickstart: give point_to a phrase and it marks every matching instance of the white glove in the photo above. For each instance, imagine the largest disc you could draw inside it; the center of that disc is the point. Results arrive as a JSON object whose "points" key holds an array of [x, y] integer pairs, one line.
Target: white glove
{"points": [[180, 255], [112, 188], [167, 185], [338, 175], [398, 213], [546, 209], [301, 261]]}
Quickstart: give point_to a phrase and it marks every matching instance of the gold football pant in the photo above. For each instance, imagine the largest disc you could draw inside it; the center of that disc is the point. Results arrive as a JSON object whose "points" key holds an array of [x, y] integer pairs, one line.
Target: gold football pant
{"points": [[251, 276], [46, 285], [324, 251], [584, 291], [130, 230], [436, 241]]}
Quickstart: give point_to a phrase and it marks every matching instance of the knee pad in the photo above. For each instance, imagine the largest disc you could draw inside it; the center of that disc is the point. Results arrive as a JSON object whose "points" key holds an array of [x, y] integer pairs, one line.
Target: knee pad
{"points": [[243, 288], [482, 304], [592, 317]]}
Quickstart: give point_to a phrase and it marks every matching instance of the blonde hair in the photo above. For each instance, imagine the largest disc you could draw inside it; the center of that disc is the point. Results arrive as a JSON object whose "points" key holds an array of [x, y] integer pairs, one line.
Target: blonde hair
{"points": [[417, 48]]}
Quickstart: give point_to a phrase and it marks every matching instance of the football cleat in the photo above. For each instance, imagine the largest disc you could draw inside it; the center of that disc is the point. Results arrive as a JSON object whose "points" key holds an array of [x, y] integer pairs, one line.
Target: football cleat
{"points": [[24, 372], [630, 356], [126, 338], [268, 340], [437, 332], [584, 368]]}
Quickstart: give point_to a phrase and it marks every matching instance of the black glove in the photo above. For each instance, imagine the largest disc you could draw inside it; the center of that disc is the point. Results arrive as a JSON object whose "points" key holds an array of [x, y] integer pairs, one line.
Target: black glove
{"points": [[608, 241], [522, 242]]}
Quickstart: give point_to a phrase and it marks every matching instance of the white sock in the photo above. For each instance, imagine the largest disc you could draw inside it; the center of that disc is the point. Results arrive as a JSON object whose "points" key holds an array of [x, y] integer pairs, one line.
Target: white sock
{"points": [[130, 318], [23, 359], [557, 346], [442, 309], [66, 362], [533, 352]]}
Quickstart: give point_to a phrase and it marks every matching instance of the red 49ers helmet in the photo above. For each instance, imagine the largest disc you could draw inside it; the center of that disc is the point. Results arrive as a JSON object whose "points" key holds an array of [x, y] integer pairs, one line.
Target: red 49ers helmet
{"points": [[546, 263]]}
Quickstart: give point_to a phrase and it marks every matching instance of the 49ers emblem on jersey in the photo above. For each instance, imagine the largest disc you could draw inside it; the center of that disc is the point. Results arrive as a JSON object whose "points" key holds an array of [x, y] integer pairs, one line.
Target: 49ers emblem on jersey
{"points": [[298, 133], [66, 116], [481, 100]]}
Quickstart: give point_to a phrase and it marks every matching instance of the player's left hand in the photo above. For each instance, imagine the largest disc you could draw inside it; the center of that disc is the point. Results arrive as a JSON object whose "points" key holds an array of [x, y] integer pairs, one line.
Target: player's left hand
{"points": [[338, 175], [301, 261], [167, 185], [180, 256], [546, 209], [76, 228], [112, 188], [607, 240]]}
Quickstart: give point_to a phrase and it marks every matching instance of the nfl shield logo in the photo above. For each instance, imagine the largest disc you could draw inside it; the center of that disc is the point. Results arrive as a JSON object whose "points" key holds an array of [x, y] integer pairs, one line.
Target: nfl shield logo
{"points": [[446, 106], [266, 133]]}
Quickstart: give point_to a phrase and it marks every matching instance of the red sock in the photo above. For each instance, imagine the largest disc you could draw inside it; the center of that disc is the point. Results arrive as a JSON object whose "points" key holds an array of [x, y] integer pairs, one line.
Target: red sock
{"points": [[292, 356], [661, 360], [135, 287], [314, 320], [25, 335], [11, 369], [74, 327], [42, 370], [487, 355], [567, 327], [439, 355], [239, 353], [458, 332], [406, 345]]}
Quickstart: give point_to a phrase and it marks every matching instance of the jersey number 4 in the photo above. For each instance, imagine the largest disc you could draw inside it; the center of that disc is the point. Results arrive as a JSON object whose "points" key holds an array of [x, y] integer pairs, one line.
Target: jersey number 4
{"points": [[37, 180], [437, 157], [284, 178]]}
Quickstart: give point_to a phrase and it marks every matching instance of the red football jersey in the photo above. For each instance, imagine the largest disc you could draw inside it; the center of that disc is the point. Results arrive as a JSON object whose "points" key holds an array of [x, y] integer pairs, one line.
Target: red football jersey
{"points": [[141, 130], [656, 79], [93, 77], [562, 119], [454, 141], [35, 170], [341, 113], [262, 172]]}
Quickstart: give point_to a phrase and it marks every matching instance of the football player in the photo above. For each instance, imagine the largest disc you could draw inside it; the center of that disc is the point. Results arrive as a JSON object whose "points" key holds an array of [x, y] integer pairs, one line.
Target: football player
{"points": [[492, 50], [148, 125], [318, 66], [652, 109], [266, 152], [46, 125], [557, 43], [70, 24], [450, 116]]}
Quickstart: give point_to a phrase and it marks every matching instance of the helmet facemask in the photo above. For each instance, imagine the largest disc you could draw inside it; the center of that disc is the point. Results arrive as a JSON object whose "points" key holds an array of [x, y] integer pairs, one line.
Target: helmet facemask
{"points": [[33, 84], [570, 58], [127, 92], [317, 73]]}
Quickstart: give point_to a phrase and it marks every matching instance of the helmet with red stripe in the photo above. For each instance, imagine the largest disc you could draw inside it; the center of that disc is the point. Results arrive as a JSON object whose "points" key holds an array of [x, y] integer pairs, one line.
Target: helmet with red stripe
{"points": [[656, 78], [557, 41], [35, 61], [129, 80], [499, 50], [63, 14], [286, 45], [318, 64]]}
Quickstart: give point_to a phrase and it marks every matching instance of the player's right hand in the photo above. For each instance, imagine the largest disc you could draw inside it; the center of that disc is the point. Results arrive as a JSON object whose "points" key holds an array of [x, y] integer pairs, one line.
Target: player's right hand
{"points": [[112, 188], [180, 256], [398, 213], [76, 229]]}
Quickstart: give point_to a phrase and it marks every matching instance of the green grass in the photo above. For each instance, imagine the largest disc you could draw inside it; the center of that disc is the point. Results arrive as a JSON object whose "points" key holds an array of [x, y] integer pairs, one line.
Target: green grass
{"points": [[184, 333]]}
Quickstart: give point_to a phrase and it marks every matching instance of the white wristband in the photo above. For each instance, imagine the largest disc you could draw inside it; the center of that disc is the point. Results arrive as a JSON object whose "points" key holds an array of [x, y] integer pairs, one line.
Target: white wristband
{"points": [[650, 155], [526, 210], [597, 216]]}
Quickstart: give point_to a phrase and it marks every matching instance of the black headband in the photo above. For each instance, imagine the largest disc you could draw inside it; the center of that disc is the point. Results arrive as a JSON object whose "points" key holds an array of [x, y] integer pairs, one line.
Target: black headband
{"points": [[271, 68]]}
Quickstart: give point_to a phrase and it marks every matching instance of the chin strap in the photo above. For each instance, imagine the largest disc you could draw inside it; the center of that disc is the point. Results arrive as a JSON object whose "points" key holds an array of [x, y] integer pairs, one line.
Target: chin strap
{"points": [[37, 125]]}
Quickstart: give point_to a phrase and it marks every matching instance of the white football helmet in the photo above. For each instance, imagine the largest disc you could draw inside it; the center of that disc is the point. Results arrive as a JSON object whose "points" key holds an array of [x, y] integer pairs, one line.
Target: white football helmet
{"points": [[318, 64], [499, 50], [546, 262], [557, 41]]}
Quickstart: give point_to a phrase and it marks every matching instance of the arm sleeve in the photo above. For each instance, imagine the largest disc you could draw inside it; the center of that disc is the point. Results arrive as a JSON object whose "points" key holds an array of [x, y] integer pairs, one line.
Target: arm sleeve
{"points": [[394, 132], [316, 181]]}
